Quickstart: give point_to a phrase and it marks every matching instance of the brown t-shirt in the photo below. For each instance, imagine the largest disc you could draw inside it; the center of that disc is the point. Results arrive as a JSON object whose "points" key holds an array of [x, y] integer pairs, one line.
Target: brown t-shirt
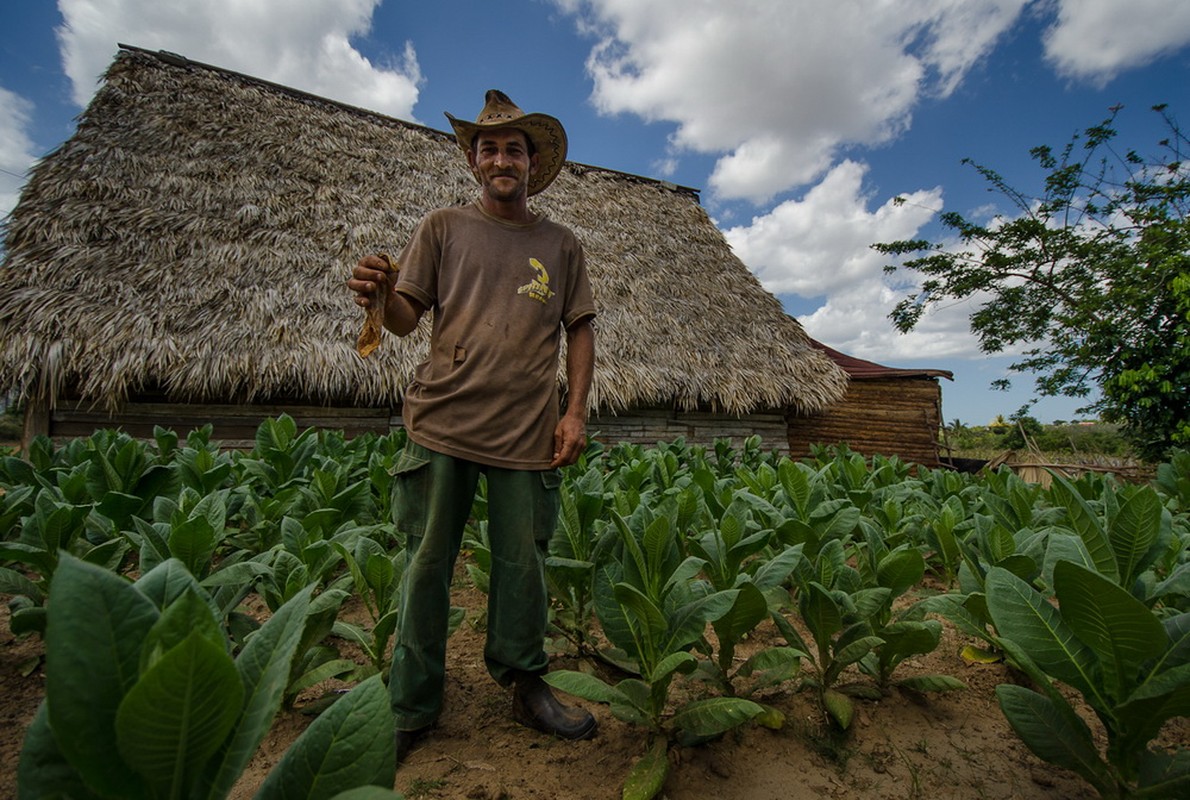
{"points": [[501, 294]]}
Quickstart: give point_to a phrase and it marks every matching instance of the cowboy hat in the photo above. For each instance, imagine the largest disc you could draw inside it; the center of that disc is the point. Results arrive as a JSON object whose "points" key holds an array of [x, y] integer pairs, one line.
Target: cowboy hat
{"points": [[546, 133]]}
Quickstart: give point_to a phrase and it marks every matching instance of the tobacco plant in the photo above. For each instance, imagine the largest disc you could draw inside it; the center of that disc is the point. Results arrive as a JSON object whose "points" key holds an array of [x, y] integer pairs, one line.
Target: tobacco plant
{"points": [[1129, 665], [654, 611], [144, 700], [739, 555], [375, 577], [581, 541]]}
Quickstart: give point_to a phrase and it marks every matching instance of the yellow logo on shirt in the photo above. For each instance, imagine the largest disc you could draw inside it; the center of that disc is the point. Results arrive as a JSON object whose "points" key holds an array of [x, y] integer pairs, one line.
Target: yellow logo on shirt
{"points": [[539, 287]]}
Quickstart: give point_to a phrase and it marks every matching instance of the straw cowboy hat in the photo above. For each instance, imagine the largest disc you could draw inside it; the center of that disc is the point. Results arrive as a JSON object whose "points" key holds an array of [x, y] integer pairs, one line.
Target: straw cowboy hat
{"points": [[546, 133]]}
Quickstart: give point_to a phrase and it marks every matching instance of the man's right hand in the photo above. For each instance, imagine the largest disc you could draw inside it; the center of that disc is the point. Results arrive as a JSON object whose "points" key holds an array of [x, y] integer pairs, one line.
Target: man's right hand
{"points": [[367, 278]]}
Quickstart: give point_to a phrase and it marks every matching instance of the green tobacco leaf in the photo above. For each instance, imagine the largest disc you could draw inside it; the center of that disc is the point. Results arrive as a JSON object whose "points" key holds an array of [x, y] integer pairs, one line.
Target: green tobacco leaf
{"points": [[869, 603], [1177, 584], [748, 610], [13, 582], [119, 507], [683, 573], [688, 623], [1059, 547], [773, 572], [32, 619], [771, 666], [682, 662], [954, 608], [264, 667], [856, 650], [178, 714], [770, 718], [612, 617], [1054, 736], [822, 617], [193, 543], [979, 655], [168, 581], [901, 570], [1134, 529], [1117, 626], [1177, 628], [647, 776], [796, 485], [791, 635], [1087, 525], [839, 707], [44, 772], [714, 715], [96, 626], [588, 687], [335, 668], [1028, 619], [187, 615], [350, 745], [644, 610], [1164, 775], [239, 574]]}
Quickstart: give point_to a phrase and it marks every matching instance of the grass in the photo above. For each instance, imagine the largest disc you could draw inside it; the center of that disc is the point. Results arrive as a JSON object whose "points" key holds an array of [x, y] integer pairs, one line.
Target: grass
{"points": [[424, 788]]}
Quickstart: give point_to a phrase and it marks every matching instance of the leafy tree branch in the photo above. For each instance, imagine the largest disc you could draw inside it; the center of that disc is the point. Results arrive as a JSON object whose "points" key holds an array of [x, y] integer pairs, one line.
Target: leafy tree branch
{"points": [[1091, 278]]}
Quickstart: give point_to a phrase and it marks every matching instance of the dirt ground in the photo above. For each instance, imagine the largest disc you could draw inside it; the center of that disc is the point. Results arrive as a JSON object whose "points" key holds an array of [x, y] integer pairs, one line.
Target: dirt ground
{"points": [[955, 745]]}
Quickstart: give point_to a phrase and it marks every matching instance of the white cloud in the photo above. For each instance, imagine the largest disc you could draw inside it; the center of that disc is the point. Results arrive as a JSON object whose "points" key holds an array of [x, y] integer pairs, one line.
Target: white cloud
{"points": [[856, 322], [780, 87], [821, 246], [1096, 39], [305, 44], [16, 148]]}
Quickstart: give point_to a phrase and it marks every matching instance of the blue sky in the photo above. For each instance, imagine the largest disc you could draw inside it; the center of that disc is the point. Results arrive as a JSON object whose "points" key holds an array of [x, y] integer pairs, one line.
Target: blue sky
{"points": [[799, 120]]}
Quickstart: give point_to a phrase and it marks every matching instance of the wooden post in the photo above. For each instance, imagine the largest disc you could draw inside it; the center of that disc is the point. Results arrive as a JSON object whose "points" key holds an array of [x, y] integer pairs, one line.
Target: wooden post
{"points": [[37, 420]]}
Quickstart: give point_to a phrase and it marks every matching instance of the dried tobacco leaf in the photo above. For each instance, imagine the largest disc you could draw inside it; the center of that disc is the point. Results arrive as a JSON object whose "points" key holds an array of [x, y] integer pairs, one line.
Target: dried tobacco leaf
{"points": [[369, 337]]}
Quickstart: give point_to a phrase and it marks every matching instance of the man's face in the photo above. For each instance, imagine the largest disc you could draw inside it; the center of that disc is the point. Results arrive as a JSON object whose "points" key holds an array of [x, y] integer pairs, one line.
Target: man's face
{"points": [[501, 161]]}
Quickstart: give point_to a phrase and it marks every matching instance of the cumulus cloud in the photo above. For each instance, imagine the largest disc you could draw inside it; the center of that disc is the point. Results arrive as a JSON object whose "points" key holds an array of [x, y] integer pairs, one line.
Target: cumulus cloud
{"points": [[776, 88], [1094, 40], [856, 321], [16, 147], [305, 44], [821, 243], [820, 246]]}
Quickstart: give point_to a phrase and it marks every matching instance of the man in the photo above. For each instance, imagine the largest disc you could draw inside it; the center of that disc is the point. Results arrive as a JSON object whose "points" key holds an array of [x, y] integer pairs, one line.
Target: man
{"points": [[503, 283]]}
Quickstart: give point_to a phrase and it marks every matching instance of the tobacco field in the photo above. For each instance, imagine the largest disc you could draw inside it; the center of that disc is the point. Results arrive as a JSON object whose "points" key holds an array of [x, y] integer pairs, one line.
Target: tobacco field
{"points": [[186, 595]]}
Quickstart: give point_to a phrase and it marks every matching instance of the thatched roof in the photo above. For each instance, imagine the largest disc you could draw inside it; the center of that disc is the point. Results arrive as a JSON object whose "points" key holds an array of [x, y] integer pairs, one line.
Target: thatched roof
{"points": [[194, 235]]}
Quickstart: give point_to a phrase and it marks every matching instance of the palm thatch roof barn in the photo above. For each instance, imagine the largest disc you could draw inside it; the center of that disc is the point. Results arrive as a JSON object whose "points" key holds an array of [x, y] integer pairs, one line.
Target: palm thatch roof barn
{"points": [[181, 260]]}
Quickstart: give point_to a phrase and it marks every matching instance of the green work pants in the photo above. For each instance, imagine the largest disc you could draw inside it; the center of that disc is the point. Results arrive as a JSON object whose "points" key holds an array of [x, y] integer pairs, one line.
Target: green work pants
{"points": [[433, 496]]}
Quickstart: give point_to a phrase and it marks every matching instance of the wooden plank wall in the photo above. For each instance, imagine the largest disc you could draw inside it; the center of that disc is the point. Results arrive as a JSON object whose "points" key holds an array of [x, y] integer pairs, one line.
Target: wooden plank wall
{"points": [[887, 417], [233, 425], [647, 427], [890, 416]]}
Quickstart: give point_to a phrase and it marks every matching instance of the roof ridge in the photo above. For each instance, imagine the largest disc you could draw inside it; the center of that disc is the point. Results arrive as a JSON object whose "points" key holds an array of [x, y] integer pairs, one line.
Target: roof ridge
{"points": [[177, 60]]}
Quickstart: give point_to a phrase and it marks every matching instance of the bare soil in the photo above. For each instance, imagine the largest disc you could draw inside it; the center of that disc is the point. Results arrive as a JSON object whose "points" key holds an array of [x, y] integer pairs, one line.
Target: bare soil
{"points": [[907, 745]]}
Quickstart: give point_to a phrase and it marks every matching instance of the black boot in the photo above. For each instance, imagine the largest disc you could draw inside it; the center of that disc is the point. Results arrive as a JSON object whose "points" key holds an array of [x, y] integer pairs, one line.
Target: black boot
{"points": [[405, 740], [534, 705]]}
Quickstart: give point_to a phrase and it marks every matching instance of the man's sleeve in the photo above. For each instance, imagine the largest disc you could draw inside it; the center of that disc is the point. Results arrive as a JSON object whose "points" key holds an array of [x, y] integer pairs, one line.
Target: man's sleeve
{"points": [[419, 261], [580, 302]]}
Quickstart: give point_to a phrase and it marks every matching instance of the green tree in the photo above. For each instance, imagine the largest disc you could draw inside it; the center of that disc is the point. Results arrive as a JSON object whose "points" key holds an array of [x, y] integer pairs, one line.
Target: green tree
{"points": [[1022, 433], [1092, 278]]}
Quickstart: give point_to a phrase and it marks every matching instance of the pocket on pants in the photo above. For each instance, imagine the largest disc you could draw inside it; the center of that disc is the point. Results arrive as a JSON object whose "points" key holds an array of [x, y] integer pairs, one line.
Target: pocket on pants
{"points": [[411, 486], [548, 503]]}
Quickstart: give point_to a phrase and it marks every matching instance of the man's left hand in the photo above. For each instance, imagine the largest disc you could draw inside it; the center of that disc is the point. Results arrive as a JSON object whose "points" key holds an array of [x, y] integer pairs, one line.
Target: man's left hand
{"points": [[570, 437]]}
